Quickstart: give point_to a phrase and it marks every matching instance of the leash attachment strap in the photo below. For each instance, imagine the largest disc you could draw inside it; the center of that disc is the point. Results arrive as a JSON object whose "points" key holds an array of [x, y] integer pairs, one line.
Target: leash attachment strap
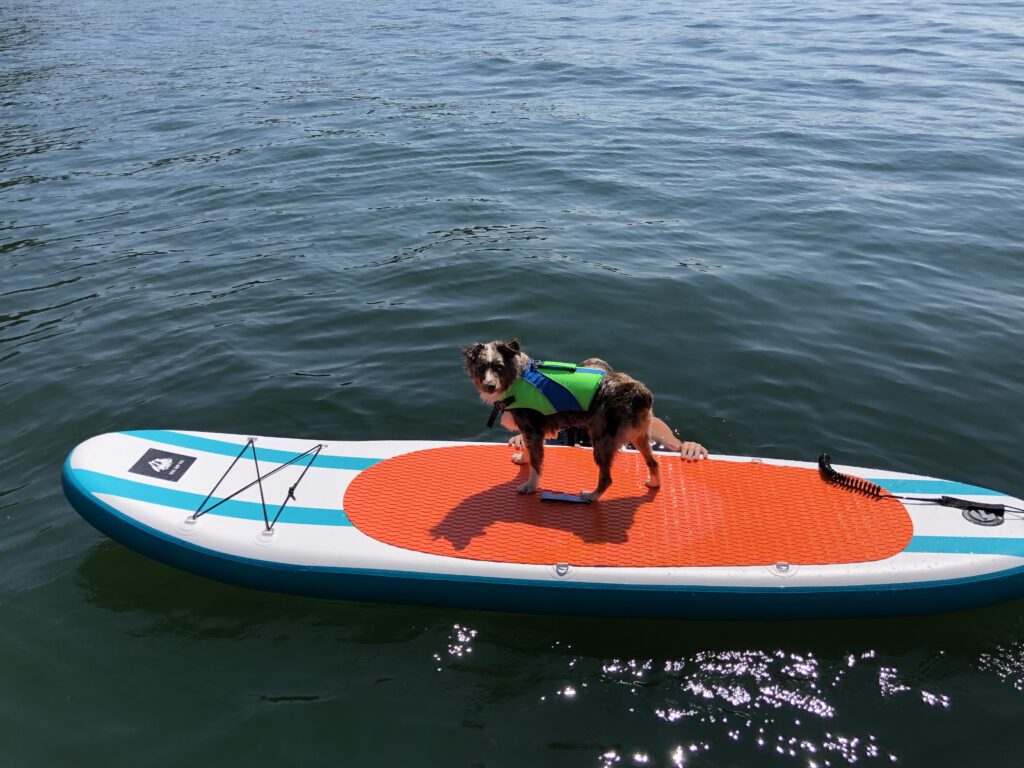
{"points": [[499, 406]]}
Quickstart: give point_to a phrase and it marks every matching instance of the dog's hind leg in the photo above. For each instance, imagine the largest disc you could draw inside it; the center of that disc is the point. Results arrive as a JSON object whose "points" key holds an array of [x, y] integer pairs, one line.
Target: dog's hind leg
{"points": [[642, 441], [604, 454]]}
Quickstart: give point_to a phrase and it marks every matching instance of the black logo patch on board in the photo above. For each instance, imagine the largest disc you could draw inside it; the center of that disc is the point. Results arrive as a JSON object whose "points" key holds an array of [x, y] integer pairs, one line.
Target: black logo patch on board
{"points": [[163, 464]]}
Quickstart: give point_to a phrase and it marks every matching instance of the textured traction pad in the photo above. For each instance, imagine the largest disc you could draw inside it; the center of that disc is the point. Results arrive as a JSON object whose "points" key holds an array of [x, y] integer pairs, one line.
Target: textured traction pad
{"points": [[461, 501]]}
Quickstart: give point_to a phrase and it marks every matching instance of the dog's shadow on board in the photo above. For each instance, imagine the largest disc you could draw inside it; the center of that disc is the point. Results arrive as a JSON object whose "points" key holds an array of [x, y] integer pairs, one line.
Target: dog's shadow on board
{"points": [[600, 522]]}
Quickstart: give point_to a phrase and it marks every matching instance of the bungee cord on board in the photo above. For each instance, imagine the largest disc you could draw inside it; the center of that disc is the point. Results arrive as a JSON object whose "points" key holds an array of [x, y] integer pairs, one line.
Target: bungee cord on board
{"points": [[251, 444]]}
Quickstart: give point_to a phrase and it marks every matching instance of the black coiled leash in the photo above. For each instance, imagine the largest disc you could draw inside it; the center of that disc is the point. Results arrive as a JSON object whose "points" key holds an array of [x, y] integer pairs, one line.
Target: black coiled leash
{"points": [[866, 487]]}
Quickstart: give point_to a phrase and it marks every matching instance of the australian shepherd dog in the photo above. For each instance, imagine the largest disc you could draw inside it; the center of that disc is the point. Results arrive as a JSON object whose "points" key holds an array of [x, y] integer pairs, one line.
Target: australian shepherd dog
{"points": [[619, 413]]}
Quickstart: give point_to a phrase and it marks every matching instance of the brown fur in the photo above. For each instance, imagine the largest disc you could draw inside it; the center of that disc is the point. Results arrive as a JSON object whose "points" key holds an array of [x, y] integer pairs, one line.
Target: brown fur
{"points": [[620, 412]]}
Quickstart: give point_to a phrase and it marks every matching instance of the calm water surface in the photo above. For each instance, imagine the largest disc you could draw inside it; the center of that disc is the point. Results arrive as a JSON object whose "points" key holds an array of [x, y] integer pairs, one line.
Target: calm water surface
{"points": [[800, 225]]}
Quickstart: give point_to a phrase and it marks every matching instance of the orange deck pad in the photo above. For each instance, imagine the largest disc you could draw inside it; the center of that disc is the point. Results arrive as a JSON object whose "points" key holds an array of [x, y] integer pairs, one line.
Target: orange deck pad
{"points": [[461, 501]]}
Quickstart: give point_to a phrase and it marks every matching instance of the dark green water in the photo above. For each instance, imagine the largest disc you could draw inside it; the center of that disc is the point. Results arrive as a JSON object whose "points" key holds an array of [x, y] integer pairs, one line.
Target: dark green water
{"points": [[800, 225]]}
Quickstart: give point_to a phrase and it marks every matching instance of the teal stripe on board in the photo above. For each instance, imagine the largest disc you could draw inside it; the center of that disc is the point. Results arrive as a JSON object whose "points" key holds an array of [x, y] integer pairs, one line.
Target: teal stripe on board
{"points": [[912, 485], [227, 448], [97, 482], [967, 545]]}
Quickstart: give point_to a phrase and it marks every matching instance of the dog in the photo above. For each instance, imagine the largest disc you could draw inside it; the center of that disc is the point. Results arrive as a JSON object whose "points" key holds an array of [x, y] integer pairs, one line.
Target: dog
{"points": [[618, 410]]}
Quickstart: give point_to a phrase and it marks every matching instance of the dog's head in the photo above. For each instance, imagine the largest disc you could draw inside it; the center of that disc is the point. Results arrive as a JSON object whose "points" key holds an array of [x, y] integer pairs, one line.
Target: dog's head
{"points": [[494, 366]]}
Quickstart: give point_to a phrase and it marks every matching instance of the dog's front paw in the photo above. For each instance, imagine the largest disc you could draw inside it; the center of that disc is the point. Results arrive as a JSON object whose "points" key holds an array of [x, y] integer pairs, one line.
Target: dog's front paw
{"points": [[654, 481], [589, 496], [520, 458], [528, 487]]}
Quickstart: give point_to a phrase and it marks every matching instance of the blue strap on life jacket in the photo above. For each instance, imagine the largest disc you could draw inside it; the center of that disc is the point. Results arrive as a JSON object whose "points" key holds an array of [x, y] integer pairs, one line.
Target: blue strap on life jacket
{"points": [[560, 396]]}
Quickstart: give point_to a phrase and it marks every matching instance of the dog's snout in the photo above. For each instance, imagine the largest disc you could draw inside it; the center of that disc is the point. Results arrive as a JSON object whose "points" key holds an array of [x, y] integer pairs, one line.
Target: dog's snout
{"points": [[490, 386]]}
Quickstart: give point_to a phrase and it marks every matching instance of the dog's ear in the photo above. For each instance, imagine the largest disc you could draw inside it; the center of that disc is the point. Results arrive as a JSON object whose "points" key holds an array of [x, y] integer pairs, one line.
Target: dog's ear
{"points": [[472, 353], [509, 348]]}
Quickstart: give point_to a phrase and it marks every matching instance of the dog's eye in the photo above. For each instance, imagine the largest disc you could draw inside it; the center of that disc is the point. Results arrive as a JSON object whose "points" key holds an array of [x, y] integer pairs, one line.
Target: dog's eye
{"points": [[498, 367]]}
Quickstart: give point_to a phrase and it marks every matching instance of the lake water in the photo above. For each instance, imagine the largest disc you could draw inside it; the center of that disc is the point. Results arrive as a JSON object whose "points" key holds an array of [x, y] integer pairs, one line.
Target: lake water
{"points": [[801, 225]]}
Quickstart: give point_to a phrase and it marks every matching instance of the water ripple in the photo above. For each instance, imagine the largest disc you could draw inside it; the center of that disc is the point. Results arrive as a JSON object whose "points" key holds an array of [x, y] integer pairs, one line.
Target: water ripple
{"points": [[799, 225]]}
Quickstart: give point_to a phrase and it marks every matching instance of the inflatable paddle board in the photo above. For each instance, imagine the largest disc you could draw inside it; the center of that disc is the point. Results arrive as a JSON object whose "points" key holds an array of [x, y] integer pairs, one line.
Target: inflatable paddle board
{"points": [[441, 523]]}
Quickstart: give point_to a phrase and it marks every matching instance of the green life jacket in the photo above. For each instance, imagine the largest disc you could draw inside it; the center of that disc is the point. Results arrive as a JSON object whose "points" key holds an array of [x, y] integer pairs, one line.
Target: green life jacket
{"points": [[551, 387]]}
